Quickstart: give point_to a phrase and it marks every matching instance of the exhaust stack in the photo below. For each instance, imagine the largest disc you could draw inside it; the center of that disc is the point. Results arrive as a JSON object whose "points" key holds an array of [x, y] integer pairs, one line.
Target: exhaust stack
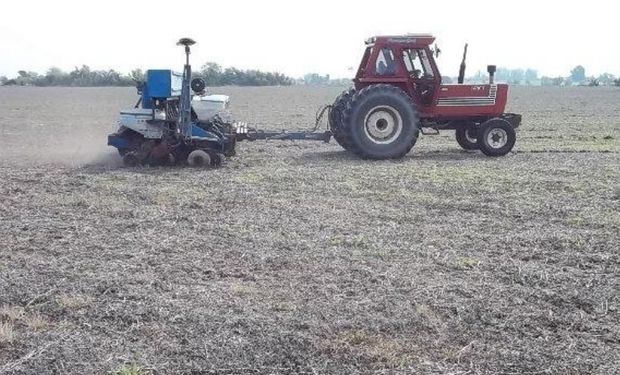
{"points": [[491, 70], [462, 68]]}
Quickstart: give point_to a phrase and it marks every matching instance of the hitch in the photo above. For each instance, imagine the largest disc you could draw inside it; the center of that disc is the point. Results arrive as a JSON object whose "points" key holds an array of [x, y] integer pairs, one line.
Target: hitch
{"points": [[245, 133], [254, 135]]}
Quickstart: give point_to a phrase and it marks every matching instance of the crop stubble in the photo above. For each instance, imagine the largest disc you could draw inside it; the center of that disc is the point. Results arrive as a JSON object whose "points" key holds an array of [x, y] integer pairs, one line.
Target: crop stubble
{"points": [[298, 257]]}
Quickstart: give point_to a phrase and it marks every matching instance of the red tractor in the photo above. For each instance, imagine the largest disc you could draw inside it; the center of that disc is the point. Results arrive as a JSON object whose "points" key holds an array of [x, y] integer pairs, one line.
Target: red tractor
{"points": [[398, 91]]}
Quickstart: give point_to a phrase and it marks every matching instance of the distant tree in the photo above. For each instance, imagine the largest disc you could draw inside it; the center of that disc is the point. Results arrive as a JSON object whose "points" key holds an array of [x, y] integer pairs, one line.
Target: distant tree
{"points": [[502, 75], [212, 74], [3, 80], [531, 75], [578, 74], [54, 77], [315, 79], [606, 79], [516, 76], [479, 77], [137, 75], [617, 82], [558, 81], [81, 76], [25, 78], [84, 76], [593, 82], [446, 80]]}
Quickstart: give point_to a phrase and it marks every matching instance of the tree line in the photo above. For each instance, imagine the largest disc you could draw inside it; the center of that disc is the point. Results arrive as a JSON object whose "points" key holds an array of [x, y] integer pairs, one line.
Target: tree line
{"points": [[530, 76], [83, 76], [215, 75]]}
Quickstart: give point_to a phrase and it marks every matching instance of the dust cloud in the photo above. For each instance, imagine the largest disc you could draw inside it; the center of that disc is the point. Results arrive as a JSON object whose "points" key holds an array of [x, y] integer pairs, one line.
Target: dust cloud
{"points": [[60, 126]]}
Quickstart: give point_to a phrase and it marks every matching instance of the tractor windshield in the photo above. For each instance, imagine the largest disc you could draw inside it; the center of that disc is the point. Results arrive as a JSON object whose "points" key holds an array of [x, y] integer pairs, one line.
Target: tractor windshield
{"points": [[418, 63]]}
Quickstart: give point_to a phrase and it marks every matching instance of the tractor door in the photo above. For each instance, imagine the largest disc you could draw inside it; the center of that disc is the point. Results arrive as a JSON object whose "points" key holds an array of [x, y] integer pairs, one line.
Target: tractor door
{"points": [[423, 78]]}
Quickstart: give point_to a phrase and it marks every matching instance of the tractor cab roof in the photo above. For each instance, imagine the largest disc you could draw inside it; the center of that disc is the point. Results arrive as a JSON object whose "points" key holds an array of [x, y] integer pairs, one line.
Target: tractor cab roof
{"points": [[413, 40]]}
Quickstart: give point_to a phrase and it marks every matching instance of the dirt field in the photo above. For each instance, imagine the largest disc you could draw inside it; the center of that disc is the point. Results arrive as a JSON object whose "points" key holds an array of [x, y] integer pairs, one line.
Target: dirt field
{"points": [[300, 258]]}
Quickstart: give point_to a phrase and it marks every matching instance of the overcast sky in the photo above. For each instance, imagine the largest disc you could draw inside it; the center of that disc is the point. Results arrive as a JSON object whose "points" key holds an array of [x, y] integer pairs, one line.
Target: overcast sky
{"points": [[296, 37]]}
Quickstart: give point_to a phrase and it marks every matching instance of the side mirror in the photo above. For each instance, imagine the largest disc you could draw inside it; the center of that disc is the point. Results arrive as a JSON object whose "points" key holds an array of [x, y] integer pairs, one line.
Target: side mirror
{"points": [[436, 50]]}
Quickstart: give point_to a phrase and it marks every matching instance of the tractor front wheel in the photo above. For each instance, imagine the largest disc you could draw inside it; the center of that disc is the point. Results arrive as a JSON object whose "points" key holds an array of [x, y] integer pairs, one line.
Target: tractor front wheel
{"points": [[466, 137], [496, 137], [381, 122], [217, 159]]}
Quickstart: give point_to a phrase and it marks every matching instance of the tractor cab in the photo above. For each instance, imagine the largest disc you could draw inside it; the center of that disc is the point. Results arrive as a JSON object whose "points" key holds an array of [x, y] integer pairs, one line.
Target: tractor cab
{"points": [[403, 61], [408, 62]]}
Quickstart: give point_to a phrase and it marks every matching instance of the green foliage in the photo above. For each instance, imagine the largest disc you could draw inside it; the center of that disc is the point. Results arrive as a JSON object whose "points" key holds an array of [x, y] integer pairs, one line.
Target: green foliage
{"points": [[25, 78], [316, 79], [214, 75], [516, 76], [137, 75], [555, 81], [512, 76], [578, 74], [85, 77], [606, 79], [82, 76], [531, 75]]}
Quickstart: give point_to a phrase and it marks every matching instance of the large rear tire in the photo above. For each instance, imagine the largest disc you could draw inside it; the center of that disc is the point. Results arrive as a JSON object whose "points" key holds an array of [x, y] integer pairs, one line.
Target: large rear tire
{"points": [[381, 122], [130, 159], [496, 137], [336, 117]]}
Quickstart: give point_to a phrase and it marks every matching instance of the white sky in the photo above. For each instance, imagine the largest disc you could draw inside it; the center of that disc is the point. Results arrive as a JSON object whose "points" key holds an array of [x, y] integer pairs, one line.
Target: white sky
{"points": [[297, 37]]}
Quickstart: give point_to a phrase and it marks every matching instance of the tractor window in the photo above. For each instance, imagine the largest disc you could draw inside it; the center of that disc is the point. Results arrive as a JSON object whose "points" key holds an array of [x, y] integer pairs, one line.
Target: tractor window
{"points": [[426, 63], [417, 63], [386, 64]]}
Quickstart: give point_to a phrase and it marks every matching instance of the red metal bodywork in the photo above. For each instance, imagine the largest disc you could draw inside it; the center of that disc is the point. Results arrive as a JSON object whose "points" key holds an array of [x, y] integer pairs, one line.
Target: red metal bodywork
{"points": [[440, 102]]}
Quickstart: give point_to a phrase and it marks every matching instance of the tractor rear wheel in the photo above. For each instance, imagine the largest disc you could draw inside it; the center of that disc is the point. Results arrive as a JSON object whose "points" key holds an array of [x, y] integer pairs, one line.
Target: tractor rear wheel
{"points": [[466, 137], [496, 137], [336, 120], [381, 122], [130, 159]]}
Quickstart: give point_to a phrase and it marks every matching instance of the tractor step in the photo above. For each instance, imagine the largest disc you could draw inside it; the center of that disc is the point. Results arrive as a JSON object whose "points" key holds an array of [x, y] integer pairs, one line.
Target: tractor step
{"points": [[426, 132]]}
